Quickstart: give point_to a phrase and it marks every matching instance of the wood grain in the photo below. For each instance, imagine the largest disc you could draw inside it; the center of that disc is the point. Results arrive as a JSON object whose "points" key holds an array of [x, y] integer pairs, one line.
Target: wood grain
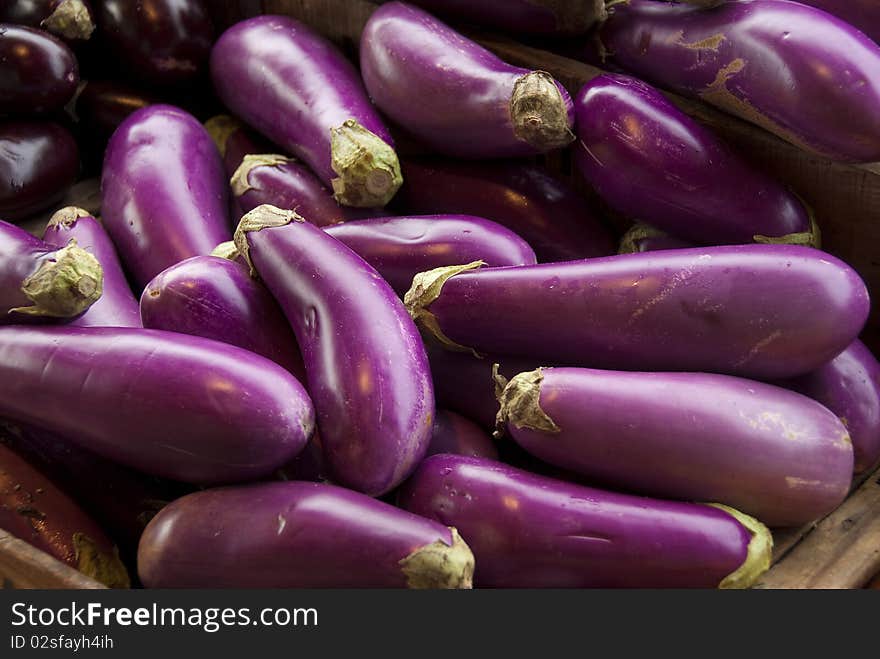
{"points": [[24, 566]]}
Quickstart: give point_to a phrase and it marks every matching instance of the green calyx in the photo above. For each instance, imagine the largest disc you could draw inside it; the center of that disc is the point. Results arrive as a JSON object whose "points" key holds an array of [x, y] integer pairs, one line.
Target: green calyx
{"points": [[103, 567], [520, 403], [262, 217], [440, 565], [367, 167], [71, 19], [758, 556], [65, 284]]}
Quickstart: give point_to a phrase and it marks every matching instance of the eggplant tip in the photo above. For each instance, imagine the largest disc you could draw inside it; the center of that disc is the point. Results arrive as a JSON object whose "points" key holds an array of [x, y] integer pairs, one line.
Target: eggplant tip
{"points": [[758, 555], [539, 112], [66, 217], [239, 181], [811, 238], [103, 567], [367, 167], [65, 286], [520, 404], [262, 217], [226, 250], [71, 19], [440, 565]]}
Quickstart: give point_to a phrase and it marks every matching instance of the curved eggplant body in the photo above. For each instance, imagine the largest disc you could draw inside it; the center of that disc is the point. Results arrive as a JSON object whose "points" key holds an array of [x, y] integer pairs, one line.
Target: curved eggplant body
{"points": [[455, 434], [165, 193], [299, 535], [530, 531], [540, 17], [456, 96], [760, 311], [679, 177], [39, 73], [764, 450], [68, 19], [365, 362], [800, 73], [189, 409]]}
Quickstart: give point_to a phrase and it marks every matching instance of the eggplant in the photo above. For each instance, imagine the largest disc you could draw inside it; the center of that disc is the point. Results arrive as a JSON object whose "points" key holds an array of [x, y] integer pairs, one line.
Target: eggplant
{"points": [[680, 177], [34, 509], [645, 238], [102, 105], [683, 436], [117, 306], [39, 161], [365, 363], [759, 311], [39, 73], [217, 299], [531, 531], [43, 281], [453, 94], [537, 17], [164, 42], [757, 59], [68, 19], [849, 386], [454, 433], [297, 89], [861, 14], [165, 193], [298, 535], [233, 140], [550, 215], [401, 247], [190, 409]]}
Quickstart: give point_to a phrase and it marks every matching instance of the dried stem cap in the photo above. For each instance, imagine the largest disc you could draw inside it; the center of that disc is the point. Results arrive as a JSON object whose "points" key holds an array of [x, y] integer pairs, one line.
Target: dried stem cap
{"points": [[262, 217], [539, 112], [64, 285], [239, 181], [520, 401], [759, 553], [103, 567], [367, 167], [71, 19], [438, 565], [67, 217], [226, 250]]}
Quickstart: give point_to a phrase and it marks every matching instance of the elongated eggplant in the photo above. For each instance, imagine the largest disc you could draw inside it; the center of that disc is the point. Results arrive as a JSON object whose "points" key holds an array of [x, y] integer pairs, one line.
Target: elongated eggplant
{"points": [[365, 362], [297, 89], [68, 19], [190, 409], [165, 42], [456, 96], [401, 247], [530, 531], [298, 535], [39, 161], [761, 311], [645, 238], [680, 177], [165, 193], [39, 73], [687, 439], [453, 433], [757, 60], [43, 281], [117, 306], [849, 386], [549, 215], [217, 299], [540, 17], [34, 509]]}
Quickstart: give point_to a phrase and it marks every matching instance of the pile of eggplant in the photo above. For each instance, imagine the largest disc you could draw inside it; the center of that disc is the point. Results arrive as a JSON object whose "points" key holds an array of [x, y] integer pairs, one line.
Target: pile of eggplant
{"points": [[334, 324]]}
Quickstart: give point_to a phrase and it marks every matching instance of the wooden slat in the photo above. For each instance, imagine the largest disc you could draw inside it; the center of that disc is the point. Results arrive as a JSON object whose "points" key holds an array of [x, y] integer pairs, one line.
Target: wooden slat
{"points": [[24, 566]]}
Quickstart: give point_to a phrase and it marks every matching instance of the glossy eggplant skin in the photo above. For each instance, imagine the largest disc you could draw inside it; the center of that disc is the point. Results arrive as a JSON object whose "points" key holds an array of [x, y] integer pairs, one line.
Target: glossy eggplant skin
{"points": [[401, 247], [33, 508], [862, 14], [39, 74], [531, 531], [546, 212], [165, 192], [117, 306], [366, 367], [849, 386], [69, 19], [680, 177], [454, 433], [190, 409], [757, 60], [217, 299], [296, 535], [454, 95], [165, 42], [759, 311], [39, 161]]}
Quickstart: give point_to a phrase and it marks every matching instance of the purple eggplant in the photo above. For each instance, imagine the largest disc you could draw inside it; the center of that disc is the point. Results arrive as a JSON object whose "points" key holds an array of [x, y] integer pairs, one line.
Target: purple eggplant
{"points": [[117, 306], [551, 216], [297, 89], [39, 74], [645, 238], [455, 434], [683, 436], [757, 59], [298, 535], [189, 409], [39, 161], [102, 105], [164, 42], [68, 19], [862, 14], [539, 17], [456, 96], [401, 247], [43, 281], [849, 386], [365, 362], [761, 311], [680, 177], [217, 299], [530, 531], [165, 193]]}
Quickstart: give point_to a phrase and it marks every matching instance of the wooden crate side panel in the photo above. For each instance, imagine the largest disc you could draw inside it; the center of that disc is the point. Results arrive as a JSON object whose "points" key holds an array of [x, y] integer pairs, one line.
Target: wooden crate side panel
{"points": [[24, 566]]}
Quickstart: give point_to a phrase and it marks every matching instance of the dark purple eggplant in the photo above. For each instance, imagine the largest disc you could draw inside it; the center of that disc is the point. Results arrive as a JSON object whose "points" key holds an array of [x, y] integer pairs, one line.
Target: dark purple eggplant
{"points": [[645, 238], [453, 433], [102, 105], [530, 531], [68, 19], [38, 73], [39, 161]]}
